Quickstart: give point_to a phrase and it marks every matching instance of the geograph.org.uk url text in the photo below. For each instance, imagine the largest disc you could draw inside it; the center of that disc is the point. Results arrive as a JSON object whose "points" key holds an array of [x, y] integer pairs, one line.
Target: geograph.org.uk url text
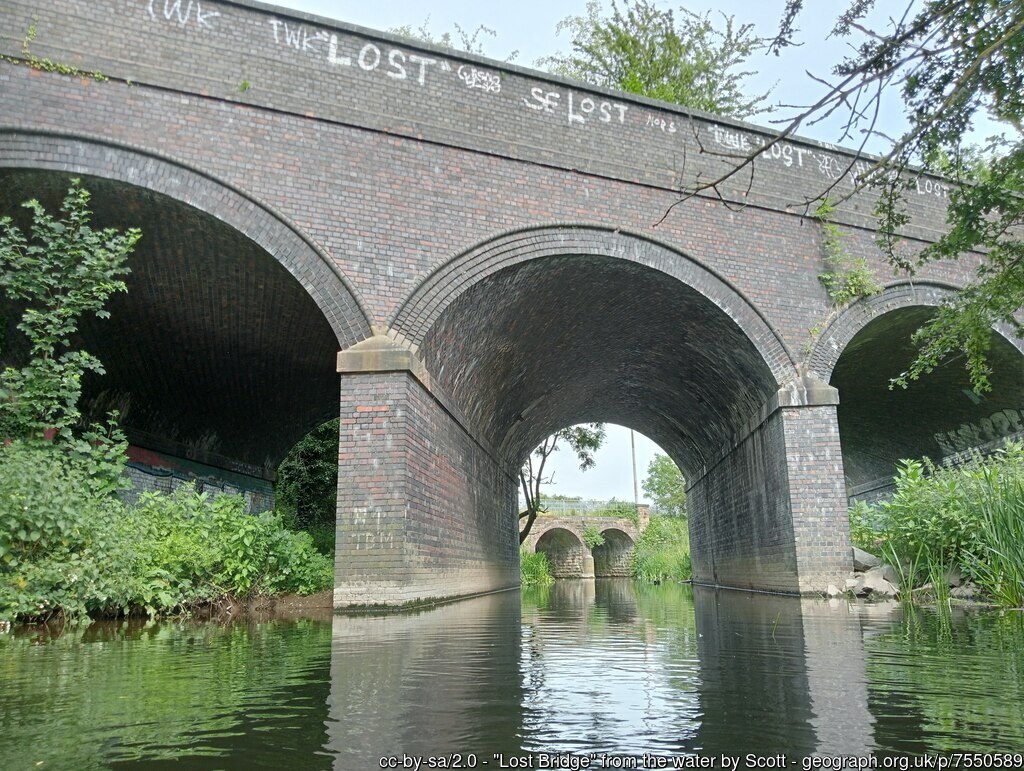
{"points": [[576, 761]]}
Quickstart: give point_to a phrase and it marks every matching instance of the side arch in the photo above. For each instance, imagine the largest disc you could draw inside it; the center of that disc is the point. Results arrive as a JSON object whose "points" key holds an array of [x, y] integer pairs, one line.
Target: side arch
{"points": [[937, 415], [896, 296], [565, 551], [223, 352], [453, 277], [73, 154]]}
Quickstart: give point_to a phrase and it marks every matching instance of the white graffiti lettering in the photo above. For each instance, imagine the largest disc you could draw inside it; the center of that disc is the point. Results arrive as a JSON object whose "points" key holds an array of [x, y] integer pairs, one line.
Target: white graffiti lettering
{"points": [[474, 78], [395, 63], [298, 38], [543, 100], [578, 111], [667, 126], [175, 11]]}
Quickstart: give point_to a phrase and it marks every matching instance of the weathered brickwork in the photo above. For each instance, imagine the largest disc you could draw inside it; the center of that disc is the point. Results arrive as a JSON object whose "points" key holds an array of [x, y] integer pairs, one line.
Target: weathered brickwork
{"points": [[504, 226], [423, 511], [741, 520], [565, 551]]}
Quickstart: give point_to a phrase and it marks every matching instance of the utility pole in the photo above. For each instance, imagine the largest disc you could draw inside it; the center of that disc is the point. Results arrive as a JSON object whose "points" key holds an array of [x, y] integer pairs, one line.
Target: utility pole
{"points": [[636, 490]]}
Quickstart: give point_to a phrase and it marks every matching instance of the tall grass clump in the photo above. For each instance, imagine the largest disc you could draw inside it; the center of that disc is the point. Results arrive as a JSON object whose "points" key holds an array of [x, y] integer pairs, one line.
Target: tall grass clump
{"points": [[662, 552], [534, 568], [969, 517], [997, 563]]}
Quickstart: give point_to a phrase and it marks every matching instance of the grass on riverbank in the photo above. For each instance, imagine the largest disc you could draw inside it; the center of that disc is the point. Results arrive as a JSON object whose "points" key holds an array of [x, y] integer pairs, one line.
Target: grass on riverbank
{"points": [[968, 517], [662, 552], [534, 568]]}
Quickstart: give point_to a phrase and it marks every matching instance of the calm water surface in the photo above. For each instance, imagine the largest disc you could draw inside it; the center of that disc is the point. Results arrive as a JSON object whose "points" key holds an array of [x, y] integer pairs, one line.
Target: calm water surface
{"points": [[583, 667]]}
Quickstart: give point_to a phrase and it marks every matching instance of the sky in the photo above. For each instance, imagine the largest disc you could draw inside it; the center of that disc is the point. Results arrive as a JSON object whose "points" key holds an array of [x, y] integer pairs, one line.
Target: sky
{"points": [[529, 27]]}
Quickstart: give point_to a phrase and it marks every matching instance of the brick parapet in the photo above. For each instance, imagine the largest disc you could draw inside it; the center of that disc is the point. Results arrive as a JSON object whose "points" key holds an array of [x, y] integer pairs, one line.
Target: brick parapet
{"points": [[293, 63]]}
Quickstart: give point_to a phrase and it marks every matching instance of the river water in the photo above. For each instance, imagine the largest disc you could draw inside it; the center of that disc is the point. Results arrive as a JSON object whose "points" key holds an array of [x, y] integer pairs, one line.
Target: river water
{"points": [[601, 672]]}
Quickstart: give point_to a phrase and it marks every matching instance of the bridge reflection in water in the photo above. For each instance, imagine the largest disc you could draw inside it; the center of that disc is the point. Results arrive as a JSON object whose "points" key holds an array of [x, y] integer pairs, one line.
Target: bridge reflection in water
{"points": [[601, 667]]}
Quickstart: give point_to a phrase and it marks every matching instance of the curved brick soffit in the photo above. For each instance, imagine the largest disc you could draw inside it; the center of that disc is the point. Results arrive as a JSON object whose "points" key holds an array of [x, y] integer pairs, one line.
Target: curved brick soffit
{"points": [[270, 230], [896, 296], [449, 279]]}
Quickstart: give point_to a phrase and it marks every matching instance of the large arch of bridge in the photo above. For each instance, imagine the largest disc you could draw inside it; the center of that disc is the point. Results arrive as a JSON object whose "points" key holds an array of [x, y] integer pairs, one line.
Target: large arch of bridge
{"points": [[538, 329], [552, 326], [223, 349], [938, 415]]}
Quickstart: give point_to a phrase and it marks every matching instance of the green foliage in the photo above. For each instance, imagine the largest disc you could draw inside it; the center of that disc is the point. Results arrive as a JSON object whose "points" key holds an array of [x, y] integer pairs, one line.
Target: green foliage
{"points": [[968, 516], [951, 62], [592, 536], [461, 40], [61, 272], [619, 509], [69, 546], [534, 568], [848, 278], [997, 563], [666, 486], [662, 552], [56, 533], [48, 65], [645, 50], [195, 548], [307, 485]]}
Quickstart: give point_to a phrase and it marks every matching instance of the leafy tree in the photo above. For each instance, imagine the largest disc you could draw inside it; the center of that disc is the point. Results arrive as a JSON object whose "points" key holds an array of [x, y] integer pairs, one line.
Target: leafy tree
{"points": [[645, 50], [666, 486], [584, 440], [953, 61], [307, 479], [60, 272]]}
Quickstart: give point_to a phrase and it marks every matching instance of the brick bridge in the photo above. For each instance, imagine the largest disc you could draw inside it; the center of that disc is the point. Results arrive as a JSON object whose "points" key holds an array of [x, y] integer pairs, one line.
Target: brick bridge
{"points": [[561, 538], [460, 257]]}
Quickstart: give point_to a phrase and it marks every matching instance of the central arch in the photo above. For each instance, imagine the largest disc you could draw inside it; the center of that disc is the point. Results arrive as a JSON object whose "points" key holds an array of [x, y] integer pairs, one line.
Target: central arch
{"points": [[536, 330]]}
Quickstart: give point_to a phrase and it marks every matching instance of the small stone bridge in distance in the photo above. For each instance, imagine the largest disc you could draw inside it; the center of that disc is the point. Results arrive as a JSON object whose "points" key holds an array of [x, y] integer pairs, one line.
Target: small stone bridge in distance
{"points": [[458, 257], [561, 538]]}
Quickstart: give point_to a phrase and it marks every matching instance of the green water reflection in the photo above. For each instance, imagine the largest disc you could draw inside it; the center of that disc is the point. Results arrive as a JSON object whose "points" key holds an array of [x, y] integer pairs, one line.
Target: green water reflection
{"points": [[580, 667]]}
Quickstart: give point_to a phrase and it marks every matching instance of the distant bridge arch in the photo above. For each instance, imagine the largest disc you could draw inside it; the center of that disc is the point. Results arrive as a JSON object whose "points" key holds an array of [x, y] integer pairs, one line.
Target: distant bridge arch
{"points": [[562, 539]]}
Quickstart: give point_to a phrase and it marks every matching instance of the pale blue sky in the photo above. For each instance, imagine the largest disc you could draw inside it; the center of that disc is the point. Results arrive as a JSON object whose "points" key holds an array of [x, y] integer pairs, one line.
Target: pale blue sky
{"points": [[529, 28]]}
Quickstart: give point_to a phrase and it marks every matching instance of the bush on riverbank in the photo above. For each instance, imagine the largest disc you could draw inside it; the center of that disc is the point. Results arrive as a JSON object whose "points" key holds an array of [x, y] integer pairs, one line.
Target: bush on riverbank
{"points": [[662, 552], [969, 517], [534, 568], [70, 547]]}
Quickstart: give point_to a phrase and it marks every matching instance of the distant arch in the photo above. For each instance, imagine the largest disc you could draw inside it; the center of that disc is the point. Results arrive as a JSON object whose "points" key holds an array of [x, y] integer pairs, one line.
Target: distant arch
{"points": [[614, 558], [565, 552]]}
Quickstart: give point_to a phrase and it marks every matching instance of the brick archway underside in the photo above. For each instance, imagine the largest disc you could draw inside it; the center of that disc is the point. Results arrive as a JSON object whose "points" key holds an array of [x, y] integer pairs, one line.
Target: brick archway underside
{"points": [[594, 327], [216, 348]]}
